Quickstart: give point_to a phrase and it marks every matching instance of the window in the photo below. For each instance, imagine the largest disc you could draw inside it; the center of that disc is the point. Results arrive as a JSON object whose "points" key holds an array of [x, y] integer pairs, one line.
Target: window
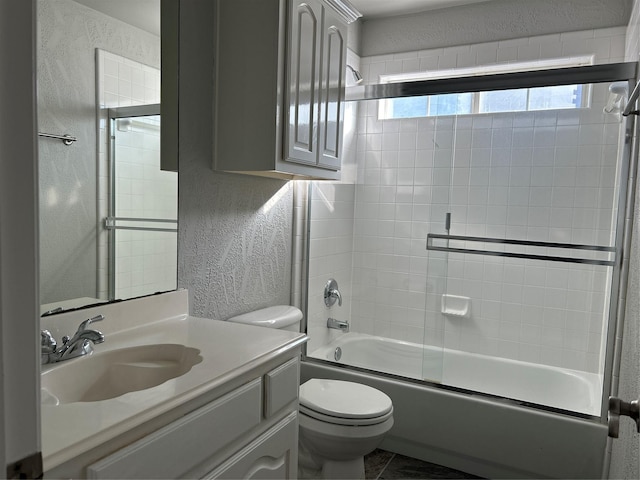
{"points": [[516, 100]]}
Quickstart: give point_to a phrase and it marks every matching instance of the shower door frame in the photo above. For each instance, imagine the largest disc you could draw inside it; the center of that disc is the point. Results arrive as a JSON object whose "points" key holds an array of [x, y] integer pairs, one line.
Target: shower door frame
{"points": [[611, 72], [111, 222]]}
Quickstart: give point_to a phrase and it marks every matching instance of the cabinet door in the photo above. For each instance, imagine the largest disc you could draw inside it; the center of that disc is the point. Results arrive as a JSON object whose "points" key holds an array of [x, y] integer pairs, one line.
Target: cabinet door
{"points": [[273, 455], [177, 447], [304, 72], [332, 85]]}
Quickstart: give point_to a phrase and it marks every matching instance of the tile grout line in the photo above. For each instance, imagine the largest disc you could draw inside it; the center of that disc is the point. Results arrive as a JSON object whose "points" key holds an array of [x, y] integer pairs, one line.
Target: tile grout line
{"points": [[385, 466]]}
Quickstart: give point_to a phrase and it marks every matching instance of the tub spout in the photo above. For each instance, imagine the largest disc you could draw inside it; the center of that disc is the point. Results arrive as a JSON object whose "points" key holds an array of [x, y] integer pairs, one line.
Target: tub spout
{"points": [[338, 324]]}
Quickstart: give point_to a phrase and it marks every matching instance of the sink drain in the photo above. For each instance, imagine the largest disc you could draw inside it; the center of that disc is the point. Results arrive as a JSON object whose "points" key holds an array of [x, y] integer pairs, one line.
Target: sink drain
{"points": [[337, 354]]}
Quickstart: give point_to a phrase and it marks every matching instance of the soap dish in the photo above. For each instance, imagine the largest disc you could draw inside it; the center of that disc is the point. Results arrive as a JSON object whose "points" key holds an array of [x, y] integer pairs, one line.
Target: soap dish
{"points": [[455, 306]]}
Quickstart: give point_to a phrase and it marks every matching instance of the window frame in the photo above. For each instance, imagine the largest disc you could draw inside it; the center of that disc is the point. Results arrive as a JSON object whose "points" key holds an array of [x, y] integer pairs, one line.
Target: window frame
{"points": [[385, 106]]}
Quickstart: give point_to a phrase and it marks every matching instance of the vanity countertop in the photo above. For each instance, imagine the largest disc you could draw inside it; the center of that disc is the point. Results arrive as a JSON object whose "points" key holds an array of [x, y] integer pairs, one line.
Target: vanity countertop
{"points": [[228, 351]]}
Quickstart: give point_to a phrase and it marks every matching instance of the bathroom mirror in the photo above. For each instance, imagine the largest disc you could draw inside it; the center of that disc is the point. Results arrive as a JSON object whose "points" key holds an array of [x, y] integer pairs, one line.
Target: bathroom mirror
{"points": [[108, 212]]}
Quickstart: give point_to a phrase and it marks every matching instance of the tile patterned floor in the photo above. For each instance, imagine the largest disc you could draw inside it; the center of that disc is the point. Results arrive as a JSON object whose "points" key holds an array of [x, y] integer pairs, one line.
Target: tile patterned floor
{"points": [[383, 465]]}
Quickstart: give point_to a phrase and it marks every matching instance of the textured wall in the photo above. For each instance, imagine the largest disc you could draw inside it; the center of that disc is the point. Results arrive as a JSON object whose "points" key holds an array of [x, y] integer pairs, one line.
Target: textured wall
{"points": [[68, 34], [235, 232], [488, 22], [234, 241]]}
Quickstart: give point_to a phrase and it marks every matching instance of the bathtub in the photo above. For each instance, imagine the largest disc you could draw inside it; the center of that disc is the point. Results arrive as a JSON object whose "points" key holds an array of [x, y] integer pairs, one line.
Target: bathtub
{"points": [[538, 384], [470, 431]]}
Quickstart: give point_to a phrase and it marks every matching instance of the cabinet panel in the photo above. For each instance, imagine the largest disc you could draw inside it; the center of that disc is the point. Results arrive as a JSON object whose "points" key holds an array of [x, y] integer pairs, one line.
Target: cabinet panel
{"points": [[174, 449], [287, 124], [304, 67], [273, 455], [281, 387], [332, 91]]}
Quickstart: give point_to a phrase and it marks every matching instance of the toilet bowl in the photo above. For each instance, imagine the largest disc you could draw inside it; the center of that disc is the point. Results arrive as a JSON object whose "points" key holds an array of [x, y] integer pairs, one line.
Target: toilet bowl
{"points": [[340, 422]]}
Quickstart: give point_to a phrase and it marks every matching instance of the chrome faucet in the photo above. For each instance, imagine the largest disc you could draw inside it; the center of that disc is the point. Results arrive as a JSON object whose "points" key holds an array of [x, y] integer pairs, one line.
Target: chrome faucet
{"points": [[79, 345], [338, 324], [331, 293]]}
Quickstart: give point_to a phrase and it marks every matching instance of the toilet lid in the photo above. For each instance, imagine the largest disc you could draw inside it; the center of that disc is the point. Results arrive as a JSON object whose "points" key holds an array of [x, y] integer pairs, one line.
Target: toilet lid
{"points": [[278, 316], [344, 399]]}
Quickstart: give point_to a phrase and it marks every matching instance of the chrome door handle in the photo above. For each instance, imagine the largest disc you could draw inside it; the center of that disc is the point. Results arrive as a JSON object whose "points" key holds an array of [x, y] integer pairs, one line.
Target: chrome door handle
{"points": [[619, 408]]}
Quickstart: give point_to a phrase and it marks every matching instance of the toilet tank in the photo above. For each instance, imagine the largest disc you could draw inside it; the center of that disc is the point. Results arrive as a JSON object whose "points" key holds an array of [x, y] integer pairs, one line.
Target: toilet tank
{"points": [[283, 317]]}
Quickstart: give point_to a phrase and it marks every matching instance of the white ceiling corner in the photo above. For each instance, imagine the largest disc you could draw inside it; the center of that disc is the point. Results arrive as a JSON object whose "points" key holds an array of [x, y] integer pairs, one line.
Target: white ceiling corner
{"points": [[386, 8], [145, 14]]}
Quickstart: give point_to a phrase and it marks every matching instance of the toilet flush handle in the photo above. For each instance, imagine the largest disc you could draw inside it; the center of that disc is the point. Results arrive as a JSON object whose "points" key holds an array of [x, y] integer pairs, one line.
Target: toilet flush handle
{"points": [[619, 407]]}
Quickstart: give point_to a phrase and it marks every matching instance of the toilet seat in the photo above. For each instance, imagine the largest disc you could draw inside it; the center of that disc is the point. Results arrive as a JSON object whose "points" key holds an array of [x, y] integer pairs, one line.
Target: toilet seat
{"points": [[344, 403], [347, 422]]}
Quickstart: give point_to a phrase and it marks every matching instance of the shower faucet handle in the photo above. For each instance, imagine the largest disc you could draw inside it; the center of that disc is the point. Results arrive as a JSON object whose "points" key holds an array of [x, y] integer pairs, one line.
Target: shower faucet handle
{"points": [[331, 293], [619, 407]]}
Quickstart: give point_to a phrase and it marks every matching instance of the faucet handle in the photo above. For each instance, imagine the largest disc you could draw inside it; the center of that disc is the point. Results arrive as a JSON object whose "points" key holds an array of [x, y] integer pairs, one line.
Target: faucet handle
{"points": [[48, 344], [331, 293], [83, 326]]}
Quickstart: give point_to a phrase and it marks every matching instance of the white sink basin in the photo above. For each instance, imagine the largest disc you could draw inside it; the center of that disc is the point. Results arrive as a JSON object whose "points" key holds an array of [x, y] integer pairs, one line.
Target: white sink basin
{"points": [[110, 374]]}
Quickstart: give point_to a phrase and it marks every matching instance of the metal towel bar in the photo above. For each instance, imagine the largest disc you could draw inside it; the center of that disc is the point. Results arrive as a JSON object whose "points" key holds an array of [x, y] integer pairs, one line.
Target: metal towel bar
{"points": [[526, 243], [66, 138], [110, 224]]}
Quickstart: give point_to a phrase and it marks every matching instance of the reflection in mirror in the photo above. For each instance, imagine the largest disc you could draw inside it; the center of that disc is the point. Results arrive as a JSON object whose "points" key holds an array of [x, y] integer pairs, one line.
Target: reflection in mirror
{"points": [[89, 62], [143, 211]]}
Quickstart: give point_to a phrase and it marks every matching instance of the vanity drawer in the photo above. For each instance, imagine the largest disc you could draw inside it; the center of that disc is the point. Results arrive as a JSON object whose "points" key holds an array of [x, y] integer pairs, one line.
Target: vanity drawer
{"points": [[176, 448], [281, 386]]}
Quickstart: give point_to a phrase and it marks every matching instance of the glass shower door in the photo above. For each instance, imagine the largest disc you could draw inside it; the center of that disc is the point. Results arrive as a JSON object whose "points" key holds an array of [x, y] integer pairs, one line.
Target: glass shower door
{"points": [[436, 153], [520, 273], [143, 206]]}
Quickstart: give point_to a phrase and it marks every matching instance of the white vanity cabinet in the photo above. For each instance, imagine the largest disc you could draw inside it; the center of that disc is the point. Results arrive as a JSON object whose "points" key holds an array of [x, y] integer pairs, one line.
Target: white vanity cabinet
{"points": [[280, 80], [273, 455], [233, 413], [248, 432]]}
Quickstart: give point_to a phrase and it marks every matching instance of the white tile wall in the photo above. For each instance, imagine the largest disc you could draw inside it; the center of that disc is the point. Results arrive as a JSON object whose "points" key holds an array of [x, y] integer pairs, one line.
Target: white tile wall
{"points": [[331, 256], [547, 176], [145, 261], [331, 234]]}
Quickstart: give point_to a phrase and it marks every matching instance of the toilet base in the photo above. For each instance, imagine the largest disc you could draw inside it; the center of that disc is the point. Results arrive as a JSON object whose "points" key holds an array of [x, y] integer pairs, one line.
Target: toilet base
{"points": [[336, 451], [310, 467]]}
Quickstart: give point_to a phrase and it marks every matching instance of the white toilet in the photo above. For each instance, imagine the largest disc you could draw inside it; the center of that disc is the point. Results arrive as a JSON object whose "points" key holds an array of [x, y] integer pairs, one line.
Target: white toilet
{"points": [[340, 422]]}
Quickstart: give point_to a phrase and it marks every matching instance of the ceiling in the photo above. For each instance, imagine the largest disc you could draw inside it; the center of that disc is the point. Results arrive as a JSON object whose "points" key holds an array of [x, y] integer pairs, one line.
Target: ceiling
{"points": [[145, 14]]}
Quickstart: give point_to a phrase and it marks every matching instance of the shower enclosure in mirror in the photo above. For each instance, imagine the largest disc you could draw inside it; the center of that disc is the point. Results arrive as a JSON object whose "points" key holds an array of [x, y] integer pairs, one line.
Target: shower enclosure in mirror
{"points": [[143, 206], [479, 246]]}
